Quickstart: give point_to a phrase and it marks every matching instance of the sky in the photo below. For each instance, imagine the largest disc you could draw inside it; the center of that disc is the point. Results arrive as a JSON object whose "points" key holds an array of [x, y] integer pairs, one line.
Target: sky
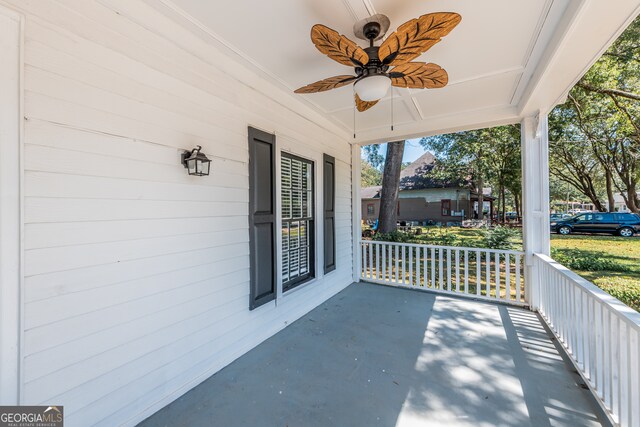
{"points": [[412, 150]]}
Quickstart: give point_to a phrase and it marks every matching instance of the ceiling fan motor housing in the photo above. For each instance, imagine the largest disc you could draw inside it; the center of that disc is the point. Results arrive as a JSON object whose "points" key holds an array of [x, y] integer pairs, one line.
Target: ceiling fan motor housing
{"points": [[371, 30]]}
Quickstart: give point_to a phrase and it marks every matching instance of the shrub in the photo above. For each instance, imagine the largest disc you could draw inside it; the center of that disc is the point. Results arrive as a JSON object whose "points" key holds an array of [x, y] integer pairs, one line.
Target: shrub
{"points": [[439, 236], [395, 236], [626, 290], [500, 237], [576, 259]]}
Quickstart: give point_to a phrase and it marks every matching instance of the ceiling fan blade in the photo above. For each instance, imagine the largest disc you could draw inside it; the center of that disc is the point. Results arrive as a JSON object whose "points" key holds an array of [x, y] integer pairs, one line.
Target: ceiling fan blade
{"points": [[415, 37], [326, 84], [338, 47], [419, 75], [363, 105]]}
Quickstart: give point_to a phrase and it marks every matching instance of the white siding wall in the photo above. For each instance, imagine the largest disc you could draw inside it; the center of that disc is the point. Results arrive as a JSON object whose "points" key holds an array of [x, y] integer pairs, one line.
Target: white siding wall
{"points": [[136, 275]]}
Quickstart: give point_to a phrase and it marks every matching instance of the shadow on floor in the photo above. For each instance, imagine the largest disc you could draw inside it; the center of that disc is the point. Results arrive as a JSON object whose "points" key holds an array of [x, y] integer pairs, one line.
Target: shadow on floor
{"points": [[375, 355]]}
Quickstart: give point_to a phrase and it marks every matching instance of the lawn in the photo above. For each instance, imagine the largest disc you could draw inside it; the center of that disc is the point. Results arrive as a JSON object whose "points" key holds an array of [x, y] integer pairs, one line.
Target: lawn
{"points": [[611, 262], [619, 275]]}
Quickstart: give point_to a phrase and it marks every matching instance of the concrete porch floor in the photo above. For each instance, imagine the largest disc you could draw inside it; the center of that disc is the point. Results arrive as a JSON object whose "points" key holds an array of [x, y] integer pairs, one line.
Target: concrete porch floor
{"points": [[382, 356]]}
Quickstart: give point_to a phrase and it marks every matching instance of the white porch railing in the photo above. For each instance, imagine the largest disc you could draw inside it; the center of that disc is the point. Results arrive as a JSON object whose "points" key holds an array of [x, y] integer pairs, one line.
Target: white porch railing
{"points": [[495, 275], [600, 333]]}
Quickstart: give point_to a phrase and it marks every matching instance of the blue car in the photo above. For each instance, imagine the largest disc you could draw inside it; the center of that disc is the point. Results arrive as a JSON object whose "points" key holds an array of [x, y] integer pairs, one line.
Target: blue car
{"points": [[620, 223]]}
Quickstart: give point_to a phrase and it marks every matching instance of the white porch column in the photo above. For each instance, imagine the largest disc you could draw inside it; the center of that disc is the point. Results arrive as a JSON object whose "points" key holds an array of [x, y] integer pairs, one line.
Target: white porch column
{"points": [[10, 205], [535, 198], [356, 207]]}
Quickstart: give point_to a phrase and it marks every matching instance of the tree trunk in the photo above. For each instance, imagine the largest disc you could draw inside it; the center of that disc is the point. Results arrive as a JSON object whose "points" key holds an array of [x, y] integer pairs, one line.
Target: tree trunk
{"points": [[609, 183], [504, 205], [480, 198], [390, 187], [632, 199]]}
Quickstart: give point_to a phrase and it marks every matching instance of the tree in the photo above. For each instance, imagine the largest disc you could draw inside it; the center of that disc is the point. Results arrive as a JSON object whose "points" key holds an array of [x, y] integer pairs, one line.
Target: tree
{"points": [[373, 156], [390, 187], [599, 126], [486, 156], [369, 175]]}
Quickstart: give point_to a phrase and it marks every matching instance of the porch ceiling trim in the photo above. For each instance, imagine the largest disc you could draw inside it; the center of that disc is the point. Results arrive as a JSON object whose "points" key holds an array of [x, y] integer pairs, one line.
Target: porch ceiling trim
{"points": [[569, 36]]}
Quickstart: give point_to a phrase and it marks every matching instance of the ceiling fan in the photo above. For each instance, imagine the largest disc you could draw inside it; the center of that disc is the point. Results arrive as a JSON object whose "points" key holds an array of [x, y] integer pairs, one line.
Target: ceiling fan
{"points": [[372, 64]]}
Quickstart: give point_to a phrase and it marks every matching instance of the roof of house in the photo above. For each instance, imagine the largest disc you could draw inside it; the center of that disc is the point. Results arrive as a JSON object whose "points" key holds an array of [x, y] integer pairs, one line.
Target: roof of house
{"points": [[370, 192], [416, 176]]}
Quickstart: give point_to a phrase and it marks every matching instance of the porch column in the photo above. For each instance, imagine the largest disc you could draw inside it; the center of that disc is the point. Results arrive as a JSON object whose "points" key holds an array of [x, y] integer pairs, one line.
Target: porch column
{"points": [[356, 207], [535, 198]]}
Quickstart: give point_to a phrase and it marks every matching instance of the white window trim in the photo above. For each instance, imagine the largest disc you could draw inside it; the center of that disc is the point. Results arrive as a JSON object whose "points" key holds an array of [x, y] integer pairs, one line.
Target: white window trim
{"points": [[284, 143]]}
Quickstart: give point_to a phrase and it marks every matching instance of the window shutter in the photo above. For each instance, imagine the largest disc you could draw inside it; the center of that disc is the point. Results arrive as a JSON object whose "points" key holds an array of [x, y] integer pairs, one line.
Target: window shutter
{"points": [[262, 217], [329, 188]]}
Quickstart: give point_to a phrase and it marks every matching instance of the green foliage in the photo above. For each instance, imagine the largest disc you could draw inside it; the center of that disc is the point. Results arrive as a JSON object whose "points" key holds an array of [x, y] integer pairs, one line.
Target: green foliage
{"points": [[489, 157], [596, 133], [372, 155], [369, 175], [576, 259], [440, 236], [394, 236], [500, 238], [626, 290]]}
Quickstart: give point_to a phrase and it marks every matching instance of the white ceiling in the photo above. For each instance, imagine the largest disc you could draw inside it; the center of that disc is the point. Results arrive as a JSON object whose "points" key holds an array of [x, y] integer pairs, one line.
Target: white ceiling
{"points": [[490, 56]]}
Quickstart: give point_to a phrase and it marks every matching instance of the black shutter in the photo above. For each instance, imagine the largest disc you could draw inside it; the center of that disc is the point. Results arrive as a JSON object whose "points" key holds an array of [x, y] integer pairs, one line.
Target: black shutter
{"points": [[329, 188], [262, 217]]}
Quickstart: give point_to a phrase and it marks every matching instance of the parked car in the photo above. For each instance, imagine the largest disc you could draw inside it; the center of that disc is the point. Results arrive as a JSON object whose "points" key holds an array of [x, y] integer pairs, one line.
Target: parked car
{"points": [[623, 224], [558, 216]]}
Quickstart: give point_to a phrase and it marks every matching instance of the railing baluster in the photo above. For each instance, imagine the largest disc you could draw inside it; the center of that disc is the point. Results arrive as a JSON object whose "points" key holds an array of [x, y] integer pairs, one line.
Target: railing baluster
{"points": [[518, 296], [497, 261], [433, 268], [417, 278], [457, 271], [404, 266], [383, 262], [478, 272], [634, 366], [377, 271], [441, 269], [390, 265], [488, 273], [507, 280], [448, 269], [410, 248], [397, 272], [466, 271]]}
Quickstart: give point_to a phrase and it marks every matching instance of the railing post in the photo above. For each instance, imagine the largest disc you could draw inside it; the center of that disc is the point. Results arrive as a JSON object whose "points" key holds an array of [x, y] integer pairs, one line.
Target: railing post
{"points": [[535, 199], [356, 215]]}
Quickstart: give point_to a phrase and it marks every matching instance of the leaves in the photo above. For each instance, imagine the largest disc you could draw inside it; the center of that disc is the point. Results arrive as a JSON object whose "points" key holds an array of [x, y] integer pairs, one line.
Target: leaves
{"points": [[419, 75], [338, 47], [415, 37], [596, 132], [363, 105], [326, 84]]}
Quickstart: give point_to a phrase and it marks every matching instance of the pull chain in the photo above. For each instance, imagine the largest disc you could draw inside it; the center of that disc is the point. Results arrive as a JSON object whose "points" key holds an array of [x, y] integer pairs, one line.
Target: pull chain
{"points": [[354, 114], [391, 109]]}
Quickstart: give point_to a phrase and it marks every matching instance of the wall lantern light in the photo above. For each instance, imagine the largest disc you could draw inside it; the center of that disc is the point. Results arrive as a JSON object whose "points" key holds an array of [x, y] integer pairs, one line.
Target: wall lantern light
{"points": [[196, 162]]}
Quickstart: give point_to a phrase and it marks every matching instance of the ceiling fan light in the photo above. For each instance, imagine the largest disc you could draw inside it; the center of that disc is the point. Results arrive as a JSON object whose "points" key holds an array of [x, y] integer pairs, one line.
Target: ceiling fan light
{"points": [[372, 88]]}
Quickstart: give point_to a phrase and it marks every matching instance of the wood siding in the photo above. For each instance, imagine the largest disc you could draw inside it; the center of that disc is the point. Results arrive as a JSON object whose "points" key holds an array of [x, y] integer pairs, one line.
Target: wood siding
{"points": [[136, 274], [424, 205]]}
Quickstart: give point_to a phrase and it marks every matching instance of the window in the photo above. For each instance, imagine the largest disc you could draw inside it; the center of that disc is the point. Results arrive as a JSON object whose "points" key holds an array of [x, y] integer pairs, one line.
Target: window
{"points": [[370, 209], [297, 220], [446, 207]]}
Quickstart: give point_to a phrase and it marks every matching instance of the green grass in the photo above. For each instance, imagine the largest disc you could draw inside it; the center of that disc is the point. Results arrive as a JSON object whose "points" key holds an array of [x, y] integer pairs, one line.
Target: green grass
{"points": [[622, 281], [611, 262]]}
